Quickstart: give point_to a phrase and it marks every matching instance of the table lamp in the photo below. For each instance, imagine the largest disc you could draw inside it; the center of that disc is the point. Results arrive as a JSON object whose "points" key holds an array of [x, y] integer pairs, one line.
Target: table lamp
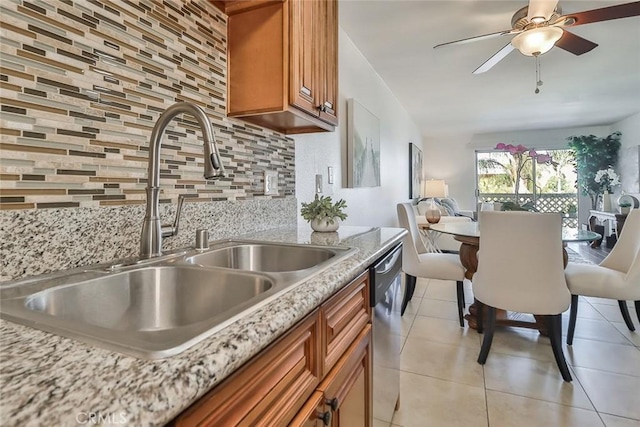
{"points": [[434, 188]]}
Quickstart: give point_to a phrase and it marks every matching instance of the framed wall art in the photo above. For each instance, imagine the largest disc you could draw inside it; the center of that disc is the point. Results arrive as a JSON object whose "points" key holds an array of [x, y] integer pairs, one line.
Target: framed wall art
{"points": [[415, 171], [363, 147]]}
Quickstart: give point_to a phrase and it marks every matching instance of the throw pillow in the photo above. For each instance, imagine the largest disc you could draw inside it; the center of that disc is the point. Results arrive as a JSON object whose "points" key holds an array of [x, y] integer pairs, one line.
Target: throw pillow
{"points": [[452, 204], [451, 207]]}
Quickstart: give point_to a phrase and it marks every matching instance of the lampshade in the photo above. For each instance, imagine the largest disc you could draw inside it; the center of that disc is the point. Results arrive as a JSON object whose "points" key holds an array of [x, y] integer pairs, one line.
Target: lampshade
{"points": [[435, 188], [536, 40]]}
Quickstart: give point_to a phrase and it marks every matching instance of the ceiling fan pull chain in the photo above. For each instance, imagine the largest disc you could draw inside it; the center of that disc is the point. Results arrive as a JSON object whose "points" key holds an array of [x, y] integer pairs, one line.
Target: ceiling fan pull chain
{"points": [[538, 73]]}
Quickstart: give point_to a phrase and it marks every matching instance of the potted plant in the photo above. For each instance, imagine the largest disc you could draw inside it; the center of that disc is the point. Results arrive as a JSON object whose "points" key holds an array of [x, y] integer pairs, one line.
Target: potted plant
{"points": [[323, 214], [592, 155], [625, 207]]}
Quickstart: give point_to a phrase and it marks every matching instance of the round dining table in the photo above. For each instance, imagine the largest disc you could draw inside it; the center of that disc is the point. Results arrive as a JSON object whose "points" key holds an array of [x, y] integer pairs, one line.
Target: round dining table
{"points": [[468, 234]]}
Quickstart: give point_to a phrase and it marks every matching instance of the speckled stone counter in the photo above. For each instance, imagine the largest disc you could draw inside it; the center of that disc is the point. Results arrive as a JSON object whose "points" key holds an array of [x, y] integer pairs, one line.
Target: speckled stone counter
{"points": [[46, 379]]}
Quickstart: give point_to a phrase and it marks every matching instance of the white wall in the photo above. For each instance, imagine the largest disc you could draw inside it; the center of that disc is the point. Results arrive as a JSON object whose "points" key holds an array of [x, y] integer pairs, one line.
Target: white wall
{"points": [[630, 129], [374, 206]]}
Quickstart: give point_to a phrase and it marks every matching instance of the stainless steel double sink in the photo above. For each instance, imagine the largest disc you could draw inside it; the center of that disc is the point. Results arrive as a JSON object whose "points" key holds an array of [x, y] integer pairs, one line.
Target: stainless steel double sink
{"points": [[159, 307]]}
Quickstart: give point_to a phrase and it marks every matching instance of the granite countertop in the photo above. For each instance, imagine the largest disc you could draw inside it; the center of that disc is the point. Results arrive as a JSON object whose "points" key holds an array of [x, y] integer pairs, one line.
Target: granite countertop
{"points": [[52, 380]]}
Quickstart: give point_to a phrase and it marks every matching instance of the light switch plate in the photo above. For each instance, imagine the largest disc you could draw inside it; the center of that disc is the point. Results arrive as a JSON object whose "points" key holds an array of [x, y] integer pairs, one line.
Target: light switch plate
{"points": [[270, 182], [319, 183], [330, 174]]}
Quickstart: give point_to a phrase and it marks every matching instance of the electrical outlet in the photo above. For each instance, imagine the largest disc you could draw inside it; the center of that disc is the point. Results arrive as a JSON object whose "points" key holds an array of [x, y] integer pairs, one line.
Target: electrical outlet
{"points": [[330, 174], [270, 182], [319, 183]]}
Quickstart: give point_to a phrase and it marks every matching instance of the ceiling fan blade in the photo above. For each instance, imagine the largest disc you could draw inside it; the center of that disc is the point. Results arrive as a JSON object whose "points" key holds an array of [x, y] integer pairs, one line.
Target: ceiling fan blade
{"points": [[575, 44], [477, 38], [603, 14], [541, 9], [497, 57]]}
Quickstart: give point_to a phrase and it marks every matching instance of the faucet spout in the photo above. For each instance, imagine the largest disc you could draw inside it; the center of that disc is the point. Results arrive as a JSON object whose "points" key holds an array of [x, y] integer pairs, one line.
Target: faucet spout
{"points": [[151, 237]]}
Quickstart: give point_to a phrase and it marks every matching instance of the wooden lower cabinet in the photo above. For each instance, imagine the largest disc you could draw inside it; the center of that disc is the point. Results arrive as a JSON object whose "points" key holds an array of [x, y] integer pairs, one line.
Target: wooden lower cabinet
{"points": [[267, 391], [344, 398], [342, 319], [315, 413], [317, 374]]}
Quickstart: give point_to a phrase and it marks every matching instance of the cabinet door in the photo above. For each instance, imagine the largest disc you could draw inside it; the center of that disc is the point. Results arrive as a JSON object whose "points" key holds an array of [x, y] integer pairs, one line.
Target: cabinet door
{"points": [[268, 390], [328, 61], [303, 38], [348, 387]]}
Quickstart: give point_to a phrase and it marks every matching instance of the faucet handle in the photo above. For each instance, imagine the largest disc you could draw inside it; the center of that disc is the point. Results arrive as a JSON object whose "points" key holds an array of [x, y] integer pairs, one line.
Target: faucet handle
{"points": [[169, 230]]}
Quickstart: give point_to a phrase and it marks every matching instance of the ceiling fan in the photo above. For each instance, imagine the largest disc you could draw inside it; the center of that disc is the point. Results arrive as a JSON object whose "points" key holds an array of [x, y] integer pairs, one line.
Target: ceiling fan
{"points": [[540, 26]]}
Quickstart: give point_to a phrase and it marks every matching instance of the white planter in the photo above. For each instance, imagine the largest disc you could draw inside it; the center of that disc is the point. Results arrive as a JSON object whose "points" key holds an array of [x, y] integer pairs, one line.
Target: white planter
{"points": [[625, 210], [325, 225]]}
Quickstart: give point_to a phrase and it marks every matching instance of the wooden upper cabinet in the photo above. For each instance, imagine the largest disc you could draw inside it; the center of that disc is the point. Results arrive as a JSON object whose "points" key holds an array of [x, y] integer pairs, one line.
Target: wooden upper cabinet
{"points": [[303, 38], [328, 61], [283, 64]]}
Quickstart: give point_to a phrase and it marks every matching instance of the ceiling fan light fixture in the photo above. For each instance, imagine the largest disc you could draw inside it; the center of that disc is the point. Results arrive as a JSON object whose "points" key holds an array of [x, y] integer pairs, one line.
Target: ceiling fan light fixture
{"points": [[536, 40]]}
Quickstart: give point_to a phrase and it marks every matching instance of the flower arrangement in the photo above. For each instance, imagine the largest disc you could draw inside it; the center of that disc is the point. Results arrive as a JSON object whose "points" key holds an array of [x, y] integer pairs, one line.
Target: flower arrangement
{"points": [[607, 178], [522, 155]]}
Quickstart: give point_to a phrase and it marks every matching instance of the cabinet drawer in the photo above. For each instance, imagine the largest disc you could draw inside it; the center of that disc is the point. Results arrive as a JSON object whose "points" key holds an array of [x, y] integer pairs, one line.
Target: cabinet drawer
{"points": [[270, 389], [342, 318]]}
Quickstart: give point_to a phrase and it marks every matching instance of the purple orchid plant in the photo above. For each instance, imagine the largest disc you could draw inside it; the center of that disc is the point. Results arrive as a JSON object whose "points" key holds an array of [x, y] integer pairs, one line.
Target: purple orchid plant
{"points": [[522, 155]]}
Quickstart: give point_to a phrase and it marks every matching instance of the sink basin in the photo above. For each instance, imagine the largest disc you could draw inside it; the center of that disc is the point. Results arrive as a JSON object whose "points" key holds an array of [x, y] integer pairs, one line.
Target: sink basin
{"points": [[158, 307], [264, 257], [151, 298], [153, 311]]}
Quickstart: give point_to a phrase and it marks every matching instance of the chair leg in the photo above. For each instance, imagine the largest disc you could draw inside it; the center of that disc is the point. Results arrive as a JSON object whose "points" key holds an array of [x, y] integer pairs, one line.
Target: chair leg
{"points": [[488, 335], [410, 287], [572, 319], [625, 314], [479, 316], [460, 292], [554, 323]]}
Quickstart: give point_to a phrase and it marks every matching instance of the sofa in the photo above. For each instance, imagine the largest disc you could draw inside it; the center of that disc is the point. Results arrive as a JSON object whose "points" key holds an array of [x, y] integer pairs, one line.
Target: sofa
{"points": [[449, 213]]}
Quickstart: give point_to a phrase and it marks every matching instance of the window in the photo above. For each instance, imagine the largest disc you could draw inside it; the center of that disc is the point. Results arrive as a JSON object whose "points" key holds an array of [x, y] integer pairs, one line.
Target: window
{"points": [[548, 188]]}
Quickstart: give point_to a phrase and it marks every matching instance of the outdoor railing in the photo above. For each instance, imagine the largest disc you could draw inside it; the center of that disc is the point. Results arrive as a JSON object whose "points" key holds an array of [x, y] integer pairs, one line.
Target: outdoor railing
{"points": [[549, 202]]}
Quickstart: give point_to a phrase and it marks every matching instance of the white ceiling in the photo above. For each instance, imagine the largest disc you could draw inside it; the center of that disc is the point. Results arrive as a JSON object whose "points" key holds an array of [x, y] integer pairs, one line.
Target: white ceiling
{"points": [[438, 89]]}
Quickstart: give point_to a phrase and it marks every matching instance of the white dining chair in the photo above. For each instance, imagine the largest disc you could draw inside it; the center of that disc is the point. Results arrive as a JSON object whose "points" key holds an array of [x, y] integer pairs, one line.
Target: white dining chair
{"points": [[520, 268], [416, 262], [616, 277]]}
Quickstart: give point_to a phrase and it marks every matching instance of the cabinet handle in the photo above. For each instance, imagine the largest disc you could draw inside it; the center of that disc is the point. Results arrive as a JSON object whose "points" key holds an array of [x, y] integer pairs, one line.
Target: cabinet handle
{"points": [[333, 403], [322, 108], [325, 417]]}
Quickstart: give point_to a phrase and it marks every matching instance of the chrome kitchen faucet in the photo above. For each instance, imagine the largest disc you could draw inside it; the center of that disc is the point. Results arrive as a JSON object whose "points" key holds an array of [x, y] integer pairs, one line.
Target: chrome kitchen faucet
{"points": [[152, 233]]}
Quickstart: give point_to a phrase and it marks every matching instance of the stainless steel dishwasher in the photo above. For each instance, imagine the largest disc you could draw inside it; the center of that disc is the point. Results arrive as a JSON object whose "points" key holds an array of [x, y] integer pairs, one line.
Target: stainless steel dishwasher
{"points": [[386, 301]]}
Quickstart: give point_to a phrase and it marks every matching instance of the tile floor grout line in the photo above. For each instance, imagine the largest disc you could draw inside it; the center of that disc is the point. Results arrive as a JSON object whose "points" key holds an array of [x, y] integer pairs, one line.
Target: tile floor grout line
{"points": [[627, 342]]}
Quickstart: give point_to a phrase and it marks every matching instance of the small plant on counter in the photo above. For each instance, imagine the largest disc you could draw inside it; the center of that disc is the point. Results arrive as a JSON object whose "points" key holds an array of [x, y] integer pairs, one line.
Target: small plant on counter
{"points": [[323, 214]]}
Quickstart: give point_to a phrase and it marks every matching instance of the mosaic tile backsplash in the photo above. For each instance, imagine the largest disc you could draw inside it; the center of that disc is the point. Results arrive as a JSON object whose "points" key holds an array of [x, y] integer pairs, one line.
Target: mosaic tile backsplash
{"points": [[82, 83]]}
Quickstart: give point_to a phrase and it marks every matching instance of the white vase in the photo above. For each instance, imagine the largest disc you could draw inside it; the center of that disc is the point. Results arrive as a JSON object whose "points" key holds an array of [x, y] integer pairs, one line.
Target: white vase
{"points": [[606, 202], [324, 225]]}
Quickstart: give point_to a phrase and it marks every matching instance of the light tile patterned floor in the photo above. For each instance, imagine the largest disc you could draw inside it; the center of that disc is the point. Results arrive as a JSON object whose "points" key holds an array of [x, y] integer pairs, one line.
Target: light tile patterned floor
{"points": [[441, 383]]}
